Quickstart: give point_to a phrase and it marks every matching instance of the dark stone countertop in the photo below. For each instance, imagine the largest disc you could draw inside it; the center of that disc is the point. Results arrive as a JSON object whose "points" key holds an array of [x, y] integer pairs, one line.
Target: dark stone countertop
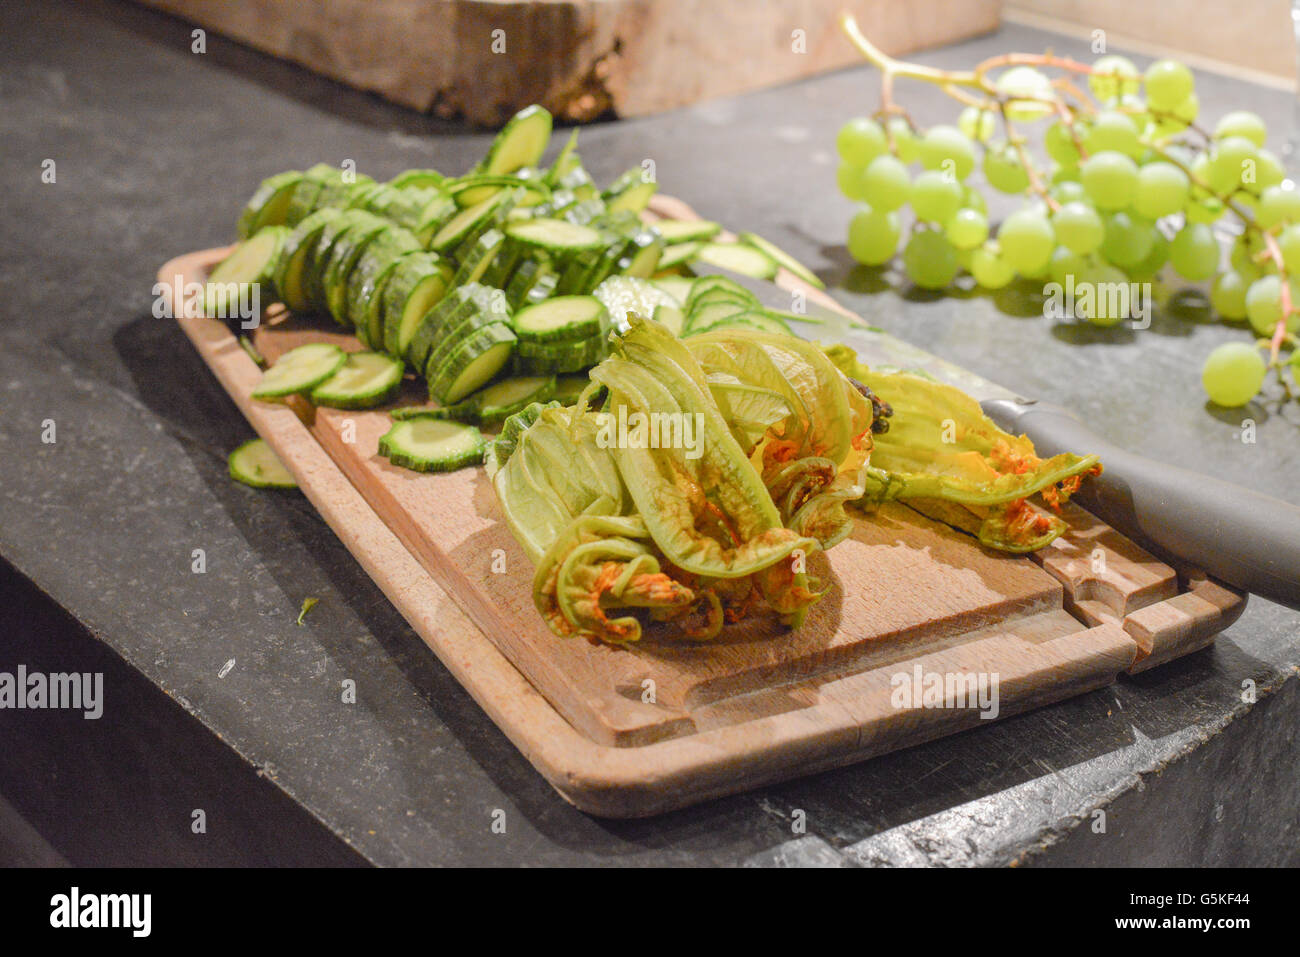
{"points": [[156, 149]]}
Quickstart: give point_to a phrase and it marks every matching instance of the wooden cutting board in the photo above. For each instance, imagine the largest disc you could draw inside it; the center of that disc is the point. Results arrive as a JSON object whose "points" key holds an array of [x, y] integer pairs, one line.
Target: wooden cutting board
{"points": [[632, 732]]}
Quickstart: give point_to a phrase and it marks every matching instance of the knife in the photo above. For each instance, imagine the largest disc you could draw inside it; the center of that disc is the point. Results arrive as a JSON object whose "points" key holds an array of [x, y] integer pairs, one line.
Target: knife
{"points": [[1241, 537]]}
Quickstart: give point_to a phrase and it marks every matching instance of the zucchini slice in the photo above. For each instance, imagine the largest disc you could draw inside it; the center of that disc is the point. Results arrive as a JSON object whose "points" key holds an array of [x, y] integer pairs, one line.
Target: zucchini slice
{"points": [[641, 258], [624, 294], [290, 269], [269, 203], [255, 463], [555, 235], [521, 142], [707, 284], [678, 254], [474, 262], [459, 227], [313, 281], [671, 317], [679, 287], [562, 317], [490, 405], [459, 313], [472, 363], [343, 258], [300, 370], [782, 258], [253, 262], [753, 319], [686, 230], [365, 380], [417, 285], [542, 358], [569, 387], [432, 445], [376, 260], [417, 179], [746, 260]]}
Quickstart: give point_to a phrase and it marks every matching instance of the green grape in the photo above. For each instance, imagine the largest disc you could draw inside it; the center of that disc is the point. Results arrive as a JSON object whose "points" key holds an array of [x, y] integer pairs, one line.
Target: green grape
{"points": [[974, 199], [1113, 130], [988, 267], [851, 182], [1264, 305], [1070, 191], [1147, 269], [1288, 244], [935, 197], [1060, 145], [1027, 240], [1065, 264], [1110, 179], [1234, 159], [1128, 239], [1278, 204], [905, 144], [967, 228], [1025, 81], [1161, 190], [1244, 250], [1065, 174], [1078, 227], [1242, 123], [1168, 83], [1228, 294], [945, 148], [1113, 76], [1101, 308], [1233, 374], [1194, 253], [1268, 169], [929, 259], [860, 140], [1003, 169], [873, 236], [885, 183], [1177, 119], [977, 124]]}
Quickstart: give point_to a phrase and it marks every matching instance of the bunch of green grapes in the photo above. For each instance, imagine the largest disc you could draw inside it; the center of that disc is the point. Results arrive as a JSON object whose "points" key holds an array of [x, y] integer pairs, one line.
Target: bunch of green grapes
{"points": [[1133, 186]]}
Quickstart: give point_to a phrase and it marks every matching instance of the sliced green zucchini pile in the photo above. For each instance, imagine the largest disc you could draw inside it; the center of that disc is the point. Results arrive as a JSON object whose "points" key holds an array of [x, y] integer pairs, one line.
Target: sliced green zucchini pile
{"points": [[488, 285]]}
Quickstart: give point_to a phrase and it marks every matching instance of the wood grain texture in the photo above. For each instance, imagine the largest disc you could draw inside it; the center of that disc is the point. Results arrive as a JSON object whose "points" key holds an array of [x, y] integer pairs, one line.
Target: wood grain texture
{"points": [[760, 703], [579, 58]]}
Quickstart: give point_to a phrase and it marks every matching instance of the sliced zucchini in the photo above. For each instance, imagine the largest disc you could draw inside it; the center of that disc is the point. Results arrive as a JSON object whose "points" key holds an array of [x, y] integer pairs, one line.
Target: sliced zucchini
{"points": [[461, 311], [269, 203], [624, 294], [318, 257], [417, 179], [343, 258], [437, 213], [255, 463], [569, 387], [376, 260], [754, 319], [473, 363], [290, 269], [746, 260], [432, 445], [419, 282], [300, 370], [365, 380], [672, 317], [521, 142], [540, 358], [406, 207], [687, 230], [252, 262], [678, 254], [679, 287], [490, 405], [707, 284], [554, 235], [475, 261], [782, 258], [642, 255], [533, 281], [455, 230], [561, 318], [566, 161]]}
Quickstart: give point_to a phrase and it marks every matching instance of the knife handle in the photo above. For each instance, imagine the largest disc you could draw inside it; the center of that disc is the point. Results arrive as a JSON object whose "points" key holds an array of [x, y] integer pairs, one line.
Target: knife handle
{"points": [[1240, 537]]}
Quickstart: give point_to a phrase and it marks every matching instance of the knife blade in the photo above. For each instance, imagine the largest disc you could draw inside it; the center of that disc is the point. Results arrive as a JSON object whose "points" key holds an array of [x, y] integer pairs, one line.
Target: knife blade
{"points": [[1241, 537]]}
